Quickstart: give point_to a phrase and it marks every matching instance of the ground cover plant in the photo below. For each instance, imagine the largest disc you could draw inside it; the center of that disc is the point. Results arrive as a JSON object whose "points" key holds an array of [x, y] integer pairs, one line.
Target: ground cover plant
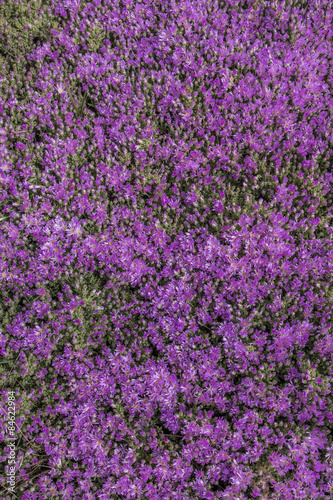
{"points": [[166, 195]]}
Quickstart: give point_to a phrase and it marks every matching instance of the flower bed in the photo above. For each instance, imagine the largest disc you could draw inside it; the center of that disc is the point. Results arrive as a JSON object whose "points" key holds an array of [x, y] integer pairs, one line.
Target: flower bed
{"points": [[166, 248]]}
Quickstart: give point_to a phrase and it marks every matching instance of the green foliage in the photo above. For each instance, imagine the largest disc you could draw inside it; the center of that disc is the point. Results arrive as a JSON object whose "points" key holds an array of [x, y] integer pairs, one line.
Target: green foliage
{"points": [[23, 23]]}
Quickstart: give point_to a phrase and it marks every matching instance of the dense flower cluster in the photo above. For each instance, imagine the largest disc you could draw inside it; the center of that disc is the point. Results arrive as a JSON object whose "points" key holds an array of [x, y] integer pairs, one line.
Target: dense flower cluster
{"points": [[166, 248]]}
